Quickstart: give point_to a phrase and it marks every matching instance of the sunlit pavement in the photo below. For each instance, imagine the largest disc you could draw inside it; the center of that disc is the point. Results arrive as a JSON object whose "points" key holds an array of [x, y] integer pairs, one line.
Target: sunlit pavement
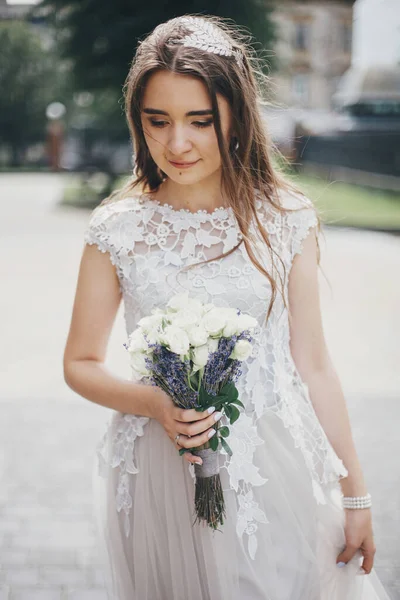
{"points": [[48, 434]]}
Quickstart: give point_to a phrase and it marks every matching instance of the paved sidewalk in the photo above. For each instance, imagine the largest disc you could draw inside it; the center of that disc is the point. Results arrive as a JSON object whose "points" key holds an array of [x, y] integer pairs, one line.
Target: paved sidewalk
{"points": [[48, 434]]}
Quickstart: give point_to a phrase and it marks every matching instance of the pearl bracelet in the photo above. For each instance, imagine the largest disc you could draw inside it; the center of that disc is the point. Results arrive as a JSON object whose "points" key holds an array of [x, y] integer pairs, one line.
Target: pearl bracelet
{"points": [[357, 501]]}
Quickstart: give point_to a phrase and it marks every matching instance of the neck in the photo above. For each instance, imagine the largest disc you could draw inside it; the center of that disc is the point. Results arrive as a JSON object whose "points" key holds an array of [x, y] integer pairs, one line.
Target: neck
{"points": [[204, 195]]}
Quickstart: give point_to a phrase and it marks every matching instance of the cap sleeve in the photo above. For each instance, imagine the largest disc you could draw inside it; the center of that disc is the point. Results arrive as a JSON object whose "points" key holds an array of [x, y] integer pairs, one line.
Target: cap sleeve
{"points": [[299, 222], [99, 230], [306, 220]]}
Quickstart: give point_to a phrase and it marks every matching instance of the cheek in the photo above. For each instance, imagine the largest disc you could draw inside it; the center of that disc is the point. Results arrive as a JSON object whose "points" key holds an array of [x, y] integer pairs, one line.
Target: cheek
{"points": [[153, 140], [209, 144]]}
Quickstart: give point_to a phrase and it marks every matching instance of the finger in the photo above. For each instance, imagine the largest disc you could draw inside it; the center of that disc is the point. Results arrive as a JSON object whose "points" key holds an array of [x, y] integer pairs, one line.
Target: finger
{"points": [[197, 427], [197, 440], [368, 560], [345, 556], [192, 458], [187, 415]]}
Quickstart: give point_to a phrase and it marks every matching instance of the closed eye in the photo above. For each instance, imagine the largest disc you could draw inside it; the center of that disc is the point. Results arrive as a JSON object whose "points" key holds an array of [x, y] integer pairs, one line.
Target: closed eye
{"points": [[199, 124]]}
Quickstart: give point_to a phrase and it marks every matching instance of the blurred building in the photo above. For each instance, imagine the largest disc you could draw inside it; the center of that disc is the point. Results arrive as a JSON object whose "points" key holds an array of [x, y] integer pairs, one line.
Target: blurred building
{"points": [[13, 11], [377, 20], [313, 50]]}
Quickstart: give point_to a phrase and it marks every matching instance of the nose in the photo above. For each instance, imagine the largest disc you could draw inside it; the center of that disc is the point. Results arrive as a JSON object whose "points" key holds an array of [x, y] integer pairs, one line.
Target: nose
{"points": [[179, 142]]}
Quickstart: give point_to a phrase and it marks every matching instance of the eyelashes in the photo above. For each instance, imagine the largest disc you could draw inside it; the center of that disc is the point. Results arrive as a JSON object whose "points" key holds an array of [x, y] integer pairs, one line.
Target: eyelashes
{"points": [[198, 124]]}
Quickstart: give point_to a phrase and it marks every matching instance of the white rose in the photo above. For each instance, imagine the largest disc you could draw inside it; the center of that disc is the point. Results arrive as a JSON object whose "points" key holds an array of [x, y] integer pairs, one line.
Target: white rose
{"points": [[200, 357], [138, 363], [150, 322], [185, 318], [246, 322], [137, 341], [213, 344], [214, 321], [231, 327], [242, 350], [154, 336], [207, 307], [197, 335], [178, 302], [176, 339]]}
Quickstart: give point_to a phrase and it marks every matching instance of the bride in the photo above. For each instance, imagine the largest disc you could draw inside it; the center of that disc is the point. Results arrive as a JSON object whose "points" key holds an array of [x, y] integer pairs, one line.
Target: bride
{"points": [[206, 213]]}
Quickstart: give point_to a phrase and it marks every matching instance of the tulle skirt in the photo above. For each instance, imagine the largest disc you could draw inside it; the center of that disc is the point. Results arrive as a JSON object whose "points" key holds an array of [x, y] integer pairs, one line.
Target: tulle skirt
{"points": [[166, 557]]}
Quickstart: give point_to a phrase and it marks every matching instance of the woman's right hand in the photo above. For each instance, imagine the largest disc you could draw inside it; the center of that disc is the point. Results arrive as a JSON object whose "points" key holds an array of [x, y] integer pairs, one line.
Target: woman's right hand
{"points": [[195, 428]]}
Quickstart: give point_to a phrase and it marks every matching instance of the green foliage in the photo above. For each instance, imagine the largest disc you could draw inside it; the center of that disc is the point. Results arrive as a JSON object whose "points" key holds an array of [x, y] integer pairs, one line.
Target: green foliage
{"points": [[225, 401], [100, 37], [226, 447], [343, 204], [213, 443], [27, 79], [224, 431]]}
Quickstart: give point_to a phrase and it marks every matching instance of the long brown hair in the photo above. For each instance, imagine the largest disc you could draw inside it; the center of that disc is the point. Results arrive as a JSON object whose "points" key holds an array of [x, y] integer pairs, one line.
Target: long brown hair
{"points": [[248, 168]]}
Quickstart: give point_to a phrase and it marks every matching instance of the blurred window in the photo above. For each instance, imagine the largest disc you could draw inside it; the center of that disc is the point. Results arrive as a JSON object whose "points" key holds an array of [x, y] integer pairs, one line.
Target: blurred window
{"points": [[301, 35]]}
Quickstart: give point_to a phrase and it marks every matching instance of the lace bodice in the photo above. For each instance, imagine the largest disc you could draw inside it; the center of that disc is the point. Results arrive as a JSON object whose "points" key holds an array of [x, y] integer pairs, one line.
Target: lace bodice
{"points": [[149, 243]]}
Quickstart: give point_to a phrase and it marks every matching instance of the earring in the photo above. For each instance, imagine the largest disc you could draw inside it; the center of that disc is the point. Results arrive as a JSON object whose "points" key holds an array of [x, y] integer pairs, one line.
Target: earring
{"points": [[236, 146]]}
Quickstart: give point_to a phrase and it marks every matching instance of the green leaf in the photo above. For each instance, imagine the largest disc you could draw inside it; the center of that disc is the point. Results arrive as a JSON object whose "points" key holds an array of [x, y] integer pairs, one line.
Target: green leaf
{"points": [[235, 414], [183, 450], [214, 442], [226, 447], [224, 431], [194, 380], [228, 410], [229, 390], [205, 399], [238, 402]]}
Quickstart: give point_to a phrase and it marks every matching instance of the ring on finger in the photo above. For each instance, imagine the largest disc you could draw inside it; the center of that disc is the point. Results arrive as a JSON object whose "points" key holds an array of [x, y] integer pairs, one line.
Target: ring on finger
{"points": [[178, 435]]}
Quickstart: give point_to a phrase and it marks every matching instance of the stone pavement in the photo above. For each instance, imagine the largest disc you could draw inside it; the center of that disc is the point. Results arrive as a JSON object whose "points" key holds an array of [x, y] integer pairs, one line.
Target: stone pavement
{"points": [[48, 434]]}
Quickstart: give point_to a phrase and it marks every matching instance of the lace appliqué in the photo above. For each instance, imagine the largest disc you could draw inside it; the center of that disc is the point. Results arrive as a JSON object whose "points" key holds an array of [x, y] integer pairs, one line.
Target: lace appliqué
{"points": [[116, 450], [149, 243]]}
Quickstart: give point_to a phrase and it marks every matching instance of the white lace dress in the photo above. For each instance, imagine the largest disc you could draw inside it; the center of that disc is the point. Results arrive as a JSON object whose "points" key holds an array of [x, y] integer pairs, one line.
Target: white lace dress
{"points": [[284, 525]]}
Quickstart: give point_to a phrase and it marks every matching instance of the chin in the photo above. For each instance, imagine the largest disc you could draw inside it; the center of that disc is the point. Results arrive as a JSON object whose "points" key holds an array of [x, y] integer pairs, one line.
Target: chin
{"points": [[186, 178]]}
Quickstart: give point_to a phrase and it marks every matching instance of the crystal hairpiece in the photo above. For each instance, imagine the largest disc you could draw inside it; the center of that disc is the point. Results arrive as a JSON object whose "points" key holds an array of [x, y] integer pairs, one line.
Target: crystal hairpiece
{"points": [[208, 37]]}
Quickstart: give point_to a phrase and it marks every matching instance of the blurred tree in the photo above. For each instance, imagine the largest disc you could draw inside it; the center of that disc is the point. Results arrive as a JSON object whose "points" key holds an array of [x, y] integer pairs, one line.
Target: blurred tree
{"points": [[27, 86], [100, 36]]}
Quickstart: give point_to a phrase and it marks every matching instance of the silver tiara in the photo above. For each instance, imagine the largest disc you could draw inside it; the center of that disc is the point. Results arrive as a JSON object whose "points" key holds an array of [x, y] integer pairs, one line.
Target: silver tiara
{"points": [[208, 37]]}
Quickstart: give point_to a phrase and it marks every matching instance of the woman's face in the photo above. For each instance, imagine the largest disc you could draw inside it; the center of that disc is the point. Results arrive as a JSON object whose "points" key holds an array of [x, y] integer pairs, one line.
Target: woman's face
{"points": [[178, 127]]}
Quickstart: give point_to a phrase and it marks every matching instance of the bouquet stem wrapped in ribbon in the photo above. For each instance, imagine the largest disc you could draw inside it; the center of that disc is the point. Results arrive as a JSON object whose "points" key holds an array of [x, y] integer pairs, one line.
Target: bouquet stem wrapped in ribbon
{"points": [[193, 351]]}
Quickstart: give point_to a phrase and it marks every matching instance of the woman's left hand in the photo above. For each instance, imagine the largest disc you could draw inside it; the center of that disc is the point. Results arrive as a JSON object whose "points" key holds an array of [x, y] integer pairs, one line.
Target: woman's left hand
{"points": [[359, 536]]}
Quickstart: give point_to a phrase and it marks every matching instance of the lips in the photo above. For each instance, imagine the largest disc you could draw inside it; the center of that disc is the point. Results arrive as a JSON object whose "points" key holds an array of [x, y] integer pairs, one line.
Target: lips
{"points": [[183, 164]]}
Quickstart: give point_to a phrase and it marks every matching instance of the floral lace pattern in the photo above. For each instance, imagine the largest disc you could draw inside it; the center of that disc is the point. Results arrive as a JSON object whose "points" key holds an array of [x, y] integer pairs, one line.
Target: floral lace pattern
{"points": [[121, 435], [149, 243]]}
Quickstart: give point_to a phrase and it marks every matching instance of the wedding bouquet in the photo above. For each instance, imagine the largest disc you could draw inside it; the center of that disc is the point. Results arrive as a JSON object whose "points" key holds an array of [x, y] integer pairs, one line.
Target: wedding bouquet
{"points": [[193, 351]]}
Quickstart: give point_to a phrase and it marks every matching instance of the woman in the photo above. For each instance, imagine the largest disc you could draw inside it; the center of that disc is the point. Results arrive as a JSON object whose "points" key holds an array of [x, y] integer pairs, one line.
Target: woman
{"points": [[206, 213]]}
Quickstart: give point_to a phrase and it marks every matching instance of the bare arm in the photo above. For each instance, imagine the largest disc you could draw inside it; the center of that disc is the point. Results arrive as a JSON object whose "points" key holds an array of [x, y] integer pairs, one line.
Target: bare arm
{"points": [[96, 303], [312, 359]]}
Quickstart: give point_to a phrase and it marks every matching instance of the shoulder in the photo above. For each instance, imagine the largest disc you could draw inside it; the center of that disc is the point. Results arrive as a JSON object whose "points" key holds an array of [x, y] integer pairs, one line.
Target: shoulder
{"points": [[300, 216], [291, 201], [109, 211], [108, 221], [294, 219]]}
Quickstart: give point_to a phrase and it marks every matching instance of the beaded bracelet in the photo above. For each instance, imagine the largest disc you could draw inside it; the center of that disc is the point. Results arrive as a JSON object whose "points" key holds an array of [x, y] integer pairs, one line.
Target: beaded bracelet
{"points": [[357, 501]]}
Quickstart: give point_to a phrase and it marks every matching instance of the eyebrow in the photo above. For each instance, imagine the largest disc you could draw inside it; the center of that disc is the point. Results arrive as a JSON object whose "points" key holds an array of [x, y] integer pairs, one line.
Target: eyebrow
{"points": [[192, 113]]}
